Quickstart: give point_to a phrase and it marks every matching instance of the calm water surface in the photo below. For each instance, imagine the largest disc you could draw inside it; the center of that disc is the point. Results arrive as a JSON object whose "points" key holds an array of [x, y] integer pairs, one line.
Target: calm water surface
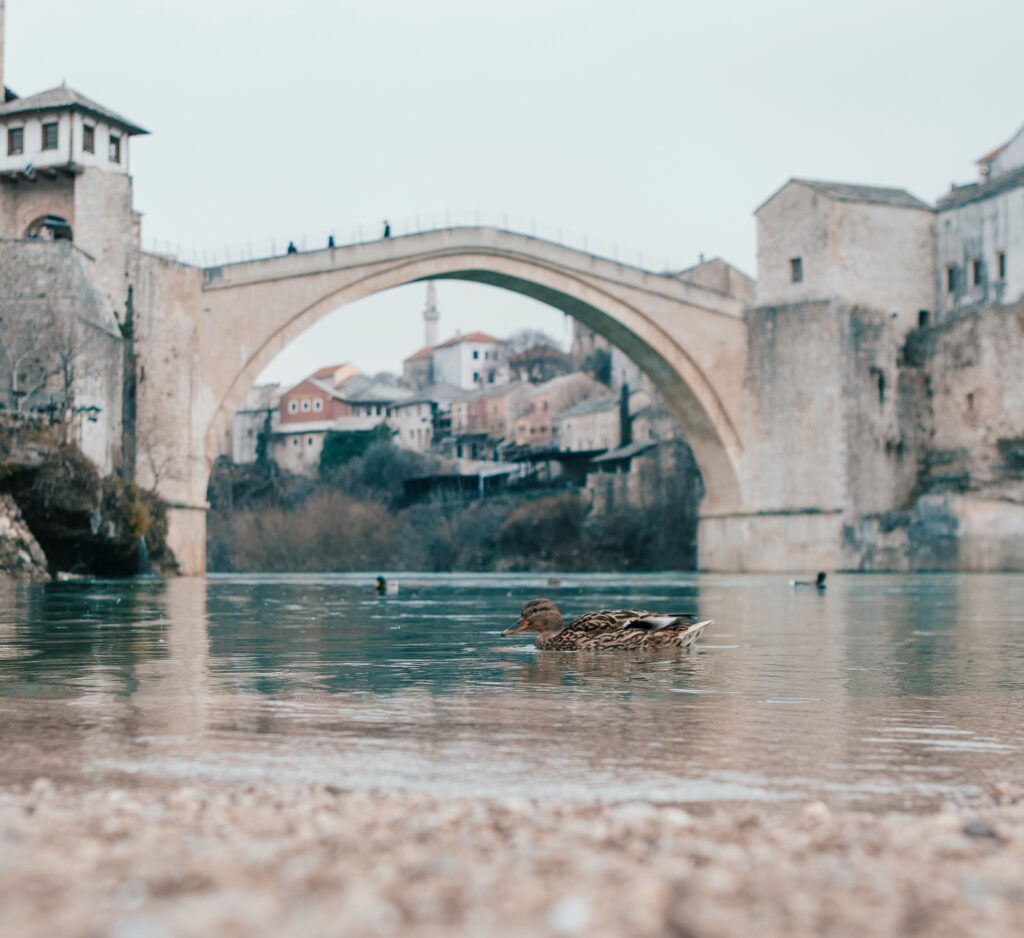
{"points": [[887, 691]]}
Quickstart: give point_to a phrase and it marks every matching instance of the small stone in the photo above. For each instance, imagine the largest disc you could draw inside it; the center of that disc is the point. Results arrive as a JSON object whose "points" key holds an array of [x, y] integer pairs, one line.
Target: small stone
{"points": [[676, 817], [817, 812], [980, 827], [569, 916]]}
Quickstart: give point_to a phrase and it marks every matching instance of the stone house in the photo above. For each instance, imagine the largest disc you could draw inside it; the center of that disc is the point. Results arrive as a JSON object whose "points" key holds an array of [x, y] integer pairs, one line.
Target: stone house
{"points": [[252, 419], [536, 428], [412, 423], [499, 408], [68, 242], [870, 245], [593, 425], [418, 368]]}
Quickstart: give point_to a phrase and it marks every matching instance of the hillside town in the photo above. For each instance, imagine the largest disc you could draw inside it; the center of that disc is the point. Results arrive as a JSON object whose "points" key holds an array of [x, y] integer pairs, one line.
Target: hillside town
{"points": [[494, 413]]}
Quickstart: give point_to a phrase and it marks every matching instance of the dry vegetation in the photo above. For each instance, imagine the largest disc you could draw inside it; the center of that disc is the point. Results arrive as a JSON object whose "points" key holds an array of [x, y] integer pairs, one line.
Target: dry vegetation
{"points": [[354, 518]]}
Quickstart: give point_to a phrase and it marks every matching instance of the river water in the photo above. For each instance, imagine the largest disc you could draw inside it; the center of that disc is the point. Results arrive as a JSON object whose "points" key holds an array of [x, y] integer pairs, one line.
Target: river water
{"points": [[886, 691]]}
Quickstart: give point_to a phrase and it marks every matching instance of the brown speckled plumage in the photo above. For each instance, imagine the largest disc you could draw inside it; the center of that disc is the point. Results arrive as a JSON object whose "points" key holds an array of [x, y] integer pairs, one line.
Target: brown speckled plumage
{"points": [[608, 628]]}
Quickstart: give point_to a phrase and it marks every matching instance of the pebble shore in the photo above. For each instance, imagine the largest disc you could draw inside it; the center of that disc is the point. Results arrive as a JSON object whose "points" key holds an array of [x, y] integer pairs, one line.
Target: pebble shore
{"points": [[317, 861]]}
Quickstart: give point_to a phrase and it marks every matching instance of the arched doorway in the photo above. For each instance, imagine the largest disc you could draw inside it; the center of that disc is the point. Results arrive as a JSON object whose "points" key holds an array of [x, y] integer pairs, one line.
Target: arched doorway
{"points": [[49, 228]]}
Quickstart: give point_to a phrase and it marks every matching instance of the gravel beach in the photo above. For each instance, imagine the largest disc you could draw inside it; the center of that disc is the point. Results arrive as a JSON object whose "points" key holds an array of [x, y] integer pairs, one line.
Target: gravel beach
{"points": [[314, 861]]}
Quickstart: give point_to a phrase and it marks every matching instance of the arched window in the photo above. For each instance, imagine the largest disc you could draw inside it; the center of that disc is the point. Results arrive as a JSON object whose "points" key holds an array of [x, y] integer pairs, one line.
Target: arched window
{"points": [[49, 228]]}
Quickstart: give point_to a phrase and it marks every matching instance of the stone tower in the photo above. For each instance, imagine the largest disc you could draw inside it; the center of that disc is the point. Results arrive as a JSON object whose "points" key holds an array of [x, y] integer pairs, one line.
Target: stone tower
{"points": [[431, 315]]}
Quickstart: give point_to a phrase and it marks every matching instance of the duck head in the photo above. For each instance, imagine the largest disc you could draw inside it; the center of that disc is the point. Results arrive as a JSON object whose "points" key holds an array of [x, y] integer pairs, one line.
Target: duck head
{"points": [[542, 616]]}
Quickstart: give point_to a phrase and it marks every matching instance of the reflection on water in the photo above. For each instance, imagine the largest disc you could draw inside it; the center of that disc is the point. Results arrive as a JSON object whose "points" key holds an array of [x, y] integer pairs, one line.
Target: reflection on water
{"points": [[886, 690]]}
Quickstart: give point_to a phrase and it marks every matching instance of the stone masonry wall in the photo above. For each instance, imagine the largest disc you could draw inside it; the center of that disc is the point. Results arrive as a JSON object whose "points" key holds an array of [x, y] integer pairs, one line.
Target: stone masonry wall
{"points": [[48, 297], [961, 411], [795, 392]]}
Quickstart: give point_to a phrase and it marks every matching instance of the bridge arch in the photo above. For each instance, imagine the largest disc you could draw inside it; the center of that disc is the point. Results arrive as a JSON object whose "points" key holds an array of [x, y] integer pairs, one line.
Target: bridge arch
{"points": [[255, 310]]}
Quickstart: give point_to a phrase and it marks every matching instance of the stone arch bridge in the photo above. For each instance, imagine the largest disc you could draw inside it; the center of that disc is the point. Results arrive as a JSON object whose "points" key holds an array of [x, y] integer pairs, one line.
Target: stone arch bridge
{"points": [[218, 328]]}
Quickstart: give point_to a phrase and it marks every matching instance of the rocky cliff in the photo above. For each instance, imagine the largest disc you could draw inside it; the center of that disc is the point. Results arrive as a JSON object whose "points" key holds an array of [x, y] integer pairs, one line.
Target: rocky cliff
{"points": [[21, 557], [83, 522]]}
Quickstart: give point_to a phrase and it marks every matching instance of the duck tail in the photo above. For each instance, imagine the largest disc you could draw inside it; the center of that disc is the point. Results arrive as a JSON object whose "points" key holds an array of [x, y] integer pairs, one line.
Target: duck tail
{"points": [[690, 635], [657, 623]]}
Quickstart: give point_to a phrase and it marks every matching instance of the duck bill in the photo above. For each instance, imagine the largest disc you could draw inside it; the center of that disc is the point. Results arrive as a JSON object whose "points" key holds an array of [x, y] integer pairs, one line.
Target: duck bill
{"points": [[522, 627]]}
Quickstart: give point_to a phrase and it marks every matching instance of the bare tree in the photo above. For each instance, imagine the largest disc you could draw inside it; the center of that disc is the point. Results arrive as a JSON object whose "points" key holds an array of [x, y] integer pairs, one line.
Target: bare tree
{"points": [[155, 458], [45, 356], [530, 338]]}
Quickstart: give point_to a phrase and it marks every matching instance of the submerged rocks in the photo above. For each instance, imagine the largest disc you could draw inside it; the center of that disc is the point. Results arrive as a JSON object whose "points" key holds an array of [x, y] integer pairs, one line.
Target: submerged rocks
{"points": [[21, 557]]}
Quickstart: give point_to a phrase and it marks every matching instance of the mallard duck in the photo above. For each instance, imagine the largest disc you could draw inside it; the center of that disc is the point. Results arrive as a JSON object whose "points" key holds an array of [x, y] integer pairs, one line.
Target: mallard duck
{"points": [[609, 628]]}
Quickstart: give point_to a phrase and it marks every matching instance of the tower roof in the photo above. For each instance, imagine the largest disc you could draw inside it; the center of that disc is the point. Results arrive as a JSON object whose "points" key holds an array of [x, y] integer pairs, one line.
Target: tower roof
{"points": [[63, 98]]}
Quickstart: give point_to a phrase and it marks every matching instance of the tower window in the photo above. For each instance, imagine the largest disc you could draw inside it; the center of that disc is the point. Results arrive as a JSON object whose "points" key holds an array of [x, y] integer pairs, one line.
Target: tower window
{"points": [[89, 138], [796, 269], [951, 278], [1001, 265], [15, 140], [476, 354], [977, 272], [114, 151], [50, 136]]}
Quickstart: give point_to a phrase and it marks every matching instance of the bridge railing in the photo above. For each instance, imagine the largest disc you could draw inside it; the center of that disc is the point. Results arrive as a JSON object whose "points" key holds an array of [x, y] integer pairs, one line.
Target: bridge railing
{"points": [[256, 249]]}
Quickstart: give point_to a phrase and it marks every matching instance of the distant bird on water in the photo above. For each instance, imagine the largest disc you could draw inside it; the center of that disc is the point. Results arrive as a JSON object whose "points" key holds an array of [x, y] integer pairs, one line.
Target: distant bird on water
{"points": [[608, 629], [383, 588], [818, 584]]}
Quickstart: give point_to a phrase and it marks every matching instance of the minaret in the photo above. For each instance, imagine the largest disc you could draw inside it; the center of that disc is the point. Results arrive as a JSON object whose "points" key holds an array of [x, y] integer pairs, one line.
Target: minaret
{"points": [[431, 315]]}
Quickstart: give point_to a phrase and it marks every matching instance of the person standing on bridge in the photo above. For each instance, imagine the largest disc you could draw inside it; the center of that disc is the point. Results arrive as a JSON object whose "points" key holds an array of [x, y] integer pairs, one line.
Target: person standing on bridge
{"points": [[292, 249], [387, 228]]}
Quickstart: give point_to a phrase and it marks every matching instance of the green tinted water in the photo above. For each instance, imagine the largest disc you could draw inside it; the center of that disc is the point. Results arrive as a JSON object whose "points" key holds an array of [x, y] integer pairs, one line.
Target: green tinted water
{"points": [[895, 691]]}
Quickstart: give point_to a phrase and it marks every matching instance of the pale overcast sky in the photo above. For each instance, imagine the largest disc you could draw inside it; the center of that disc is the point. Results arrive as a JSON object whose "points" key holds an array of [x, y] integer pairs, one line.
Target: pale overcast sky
{"points": [[657, 126]]}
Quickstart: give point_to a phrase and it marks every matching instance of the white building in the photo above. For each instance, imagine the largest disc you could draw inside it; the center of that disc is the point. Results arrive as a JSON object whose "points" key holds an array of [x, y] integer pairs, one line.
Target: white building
{"points": [[980, 234], [474, 360], [63, 129]]}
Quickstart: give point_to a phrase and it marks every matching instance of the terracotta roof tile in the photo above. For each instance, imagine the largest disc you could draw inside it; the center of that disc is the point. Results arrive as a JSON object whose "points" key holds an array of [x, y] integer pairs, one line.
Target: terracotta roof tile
{"points": [[424, 352], [471, 337]]}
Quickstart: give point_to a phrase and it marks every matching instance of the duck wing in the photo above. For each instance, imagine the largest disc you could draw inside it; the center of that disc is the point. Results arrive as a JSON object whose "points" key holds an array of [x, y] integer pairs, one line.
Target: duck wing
{"points": [[617, 620]]}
